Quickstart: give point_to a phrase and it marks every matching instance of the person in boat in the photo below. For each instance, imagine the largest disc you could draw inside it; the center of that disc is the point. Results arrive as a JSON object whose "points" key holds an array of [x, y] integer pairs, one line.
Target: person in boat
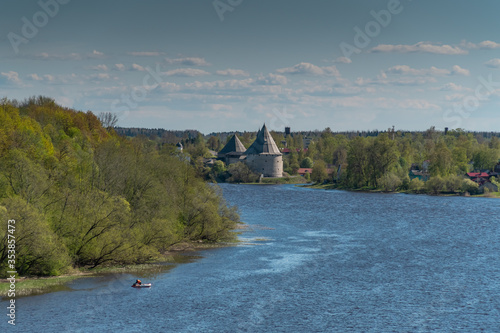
{"points": [[138, 282]]}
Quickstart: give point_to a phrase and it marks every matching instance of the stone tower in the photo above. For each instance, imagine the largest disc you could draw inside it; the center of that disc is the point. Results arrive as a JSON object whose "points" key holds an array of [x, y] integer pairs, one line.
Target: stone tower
{"points": [[233, 151], [263, 156]]}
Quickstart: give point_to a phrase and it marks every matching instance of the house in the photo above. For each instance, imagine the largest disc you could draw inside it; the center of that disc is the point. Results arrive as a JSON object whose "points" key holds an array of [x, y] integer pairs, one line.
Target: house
{"points": [[419, 174], [479, 177], [303, 171], [286, 151]]}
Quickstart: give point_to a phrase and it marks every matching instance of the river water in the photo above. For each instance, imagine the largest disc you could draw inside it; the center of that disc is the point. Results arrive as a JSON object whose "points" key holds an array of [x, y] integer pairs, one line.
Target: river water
{"points": [[311, 261]]}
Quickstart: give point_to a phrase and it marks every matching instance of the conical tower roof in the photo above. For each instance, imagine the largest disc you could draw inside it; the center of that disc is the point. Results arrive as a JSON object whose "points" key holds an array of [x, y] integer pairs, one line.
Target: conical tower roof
{"points": [[233, 145], [264, 144]]}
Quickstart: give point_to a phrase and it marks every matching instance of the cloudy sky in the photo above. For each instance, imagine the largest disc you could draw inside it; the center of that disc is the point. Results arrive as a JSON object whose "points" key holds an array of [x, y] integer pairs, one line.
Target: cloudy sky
{"points": [[234, 64]]}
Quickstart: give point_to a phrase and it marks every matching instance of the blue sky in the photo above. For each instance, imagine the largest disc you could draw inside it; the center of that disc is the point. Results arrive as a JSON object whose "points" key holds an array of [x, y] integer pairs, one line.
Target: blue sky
{"points": [[234, 64]]}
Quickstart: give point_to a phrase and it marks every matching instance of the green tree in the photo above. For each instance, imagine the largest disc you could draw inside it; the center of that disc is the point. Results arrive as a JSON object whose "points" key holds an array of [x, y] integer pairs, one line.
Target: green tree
{"points": [[389, 182], [435, 185], [358, 163], [416, 185], [485, 158], [307, 163], [38, 249], [319, 173], [241, 173], [441, 160]]}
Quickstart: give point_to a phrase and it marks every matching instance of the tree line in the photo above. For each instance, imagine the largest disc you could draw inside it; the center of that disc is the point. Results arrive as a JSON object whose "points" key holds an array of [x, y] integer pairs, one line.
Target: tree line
{"points": [[83, 196], [384, 161]]}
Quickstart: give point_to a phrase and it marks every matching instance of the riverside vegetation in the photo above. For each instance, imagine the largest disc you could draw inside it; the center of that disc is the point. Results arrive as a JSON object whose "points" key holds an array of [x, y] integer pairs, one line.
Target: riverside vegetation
{"points": [[382, 161], [83, 196], [368, 160]]}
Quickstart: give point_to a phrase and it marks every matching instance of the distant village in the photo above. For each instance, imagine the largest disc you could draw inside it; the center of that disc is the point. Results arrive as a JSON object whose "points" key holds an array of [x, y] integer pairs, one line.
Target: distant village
{"points": [[292, 157]]}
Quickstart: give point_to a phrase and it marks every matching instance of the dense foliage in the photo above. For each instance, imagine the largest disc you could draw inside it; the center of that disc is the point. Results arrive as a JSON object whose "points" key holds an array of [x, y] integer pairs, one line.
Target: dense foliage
{"points": [[83, 196], [383, 161]]}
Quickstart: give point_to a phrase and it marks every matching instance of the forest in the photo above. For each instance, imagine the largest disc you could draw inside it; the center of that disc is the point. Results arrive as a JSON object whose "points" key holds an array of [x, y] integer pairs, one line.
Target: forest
{"points": [[370, 160], [384, 161], [82, 196]]}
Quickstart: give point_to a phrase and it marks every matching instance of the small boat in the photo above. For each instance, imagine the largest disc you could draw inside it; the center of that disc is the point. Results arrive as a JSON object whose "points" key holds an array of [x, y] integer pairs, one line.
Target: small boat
{"points": [[143, 285]]}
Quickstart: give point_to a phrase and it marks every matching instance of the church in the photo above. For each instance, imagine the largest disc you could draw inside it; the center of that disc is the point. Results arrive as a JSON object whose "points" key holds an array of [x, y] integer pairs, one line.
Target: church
{"points": [[262, 157]]}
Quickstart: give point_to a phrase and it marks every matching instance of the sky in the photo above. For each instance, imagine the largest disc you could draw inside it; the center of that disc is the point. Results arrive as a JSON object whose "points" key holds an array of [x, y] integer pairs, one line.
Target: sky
{"points": [[232, 65]]}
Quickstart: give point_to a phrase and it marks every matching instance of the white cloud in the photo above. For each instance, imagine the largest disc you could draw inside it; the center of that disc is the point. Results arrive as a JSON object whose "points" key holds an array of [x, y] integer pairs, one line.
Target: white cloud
{"points": [[186, 72], [384, 79], [120, 67], [221, 107], [99, 68], [169, 86], [343, 60], [452, 87], [12, 77], [454, 97], [144, 54], [272, 79], [493, 63], [35, 77], [485, 45], [434, 71], [189, 61], [50, 78], [99, 77], [136, 67], [420, 47], [71, 56], [309, 69], [211, 86], [457, 70], [232, 72]]}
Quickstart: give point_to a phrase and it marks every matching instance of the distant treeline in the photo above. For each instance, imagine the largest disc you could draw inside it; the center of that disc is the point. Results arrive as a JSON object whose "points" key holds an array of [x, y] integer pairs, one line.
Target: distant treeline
{"points": [[167, 136], [83, 196]]}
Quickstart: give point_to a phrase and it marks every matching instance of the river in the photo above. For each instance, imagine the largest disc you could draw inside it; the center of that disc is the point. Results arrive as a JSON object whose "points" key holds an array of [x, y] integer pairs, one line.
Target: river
{"points": [[311, 261]]}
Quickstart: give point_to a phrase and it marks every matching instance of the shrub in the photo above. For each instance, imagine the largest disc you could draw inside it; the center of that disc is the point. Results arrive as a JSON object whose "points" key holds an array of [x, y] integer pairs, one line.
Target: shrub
{"points": [[469, 186], [417, 185], [435, 185], [389, 182]]}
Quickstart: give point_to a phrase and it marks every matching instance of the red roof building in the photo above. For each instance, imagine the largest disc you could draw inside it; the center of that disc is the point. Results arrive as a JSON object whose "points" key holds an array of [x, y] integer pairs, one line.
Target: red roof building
{"points": [[303, 171]]}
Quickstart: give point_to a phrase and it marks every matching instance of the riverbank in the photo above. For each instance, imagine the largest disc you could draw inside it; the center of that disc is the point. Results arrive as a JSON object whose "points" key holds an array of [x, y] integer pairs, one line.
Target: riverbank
{"points": [[367, 190], [278, 181], [178, 254]]}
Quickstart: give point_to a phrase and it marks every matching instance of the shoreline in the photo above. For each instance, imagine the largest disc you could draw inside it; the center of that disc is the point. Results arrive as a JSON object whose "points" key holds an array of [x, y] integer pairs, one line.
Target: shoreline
{"points": [[38, 285], [329, 187]]}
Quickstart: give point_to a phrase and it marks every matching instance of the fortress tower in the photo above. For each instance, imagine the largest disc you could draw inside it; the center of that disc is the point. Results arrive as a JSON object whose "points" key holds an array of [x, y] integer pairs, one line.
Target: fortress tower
{"points": [[233, 151], [263, 156]]}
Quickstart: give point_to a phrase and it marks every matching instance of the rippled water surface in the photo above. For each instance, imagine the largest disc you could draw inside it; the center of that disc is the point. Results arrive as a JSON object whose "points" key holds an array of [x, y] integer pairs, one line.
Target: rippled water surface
{"points": [[311, 261]]}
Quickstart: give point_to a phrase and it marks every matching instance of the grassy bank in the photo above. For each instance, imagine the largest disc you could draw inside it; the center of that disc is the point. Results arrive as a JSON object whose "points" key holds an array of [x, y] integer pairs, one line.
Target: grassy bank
{"points": [[279, 181], [35, 286]]}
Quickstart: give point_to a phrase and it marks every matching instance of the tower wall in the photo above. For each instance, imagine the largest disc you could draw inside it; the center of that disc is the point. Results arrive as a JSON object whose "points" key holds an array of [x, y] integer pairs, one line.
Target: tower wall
{"points": [[270, 165]]}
